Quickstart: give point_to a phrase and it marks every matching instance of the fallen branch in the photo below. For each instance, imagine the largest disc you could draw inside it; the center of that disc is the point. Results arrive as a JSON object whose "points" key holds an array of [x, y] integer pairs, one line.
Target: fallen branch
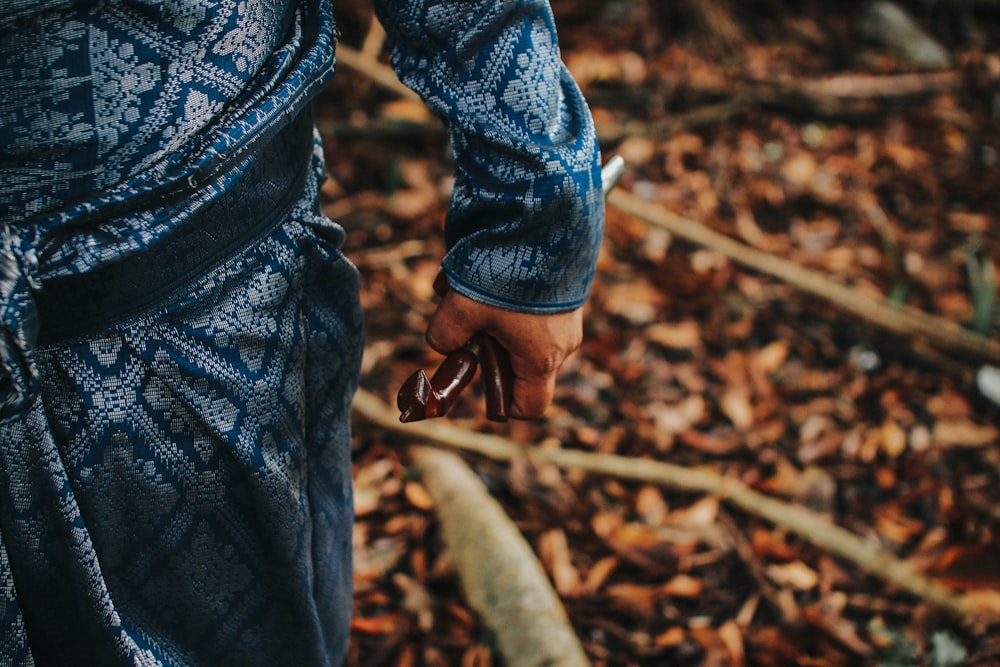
{"points": [[839, 94], [502, 578], [812, 527], [904, 320], [704, 116], [870, 86]]}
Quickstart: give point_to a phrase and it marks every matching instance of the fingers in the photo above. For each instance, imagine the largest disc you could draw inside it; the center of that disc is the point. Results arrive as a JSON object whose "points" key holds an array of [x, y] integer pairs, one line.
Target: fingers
{"points": [[454, 323], [537, 345], [532, 395], [536, 360]]}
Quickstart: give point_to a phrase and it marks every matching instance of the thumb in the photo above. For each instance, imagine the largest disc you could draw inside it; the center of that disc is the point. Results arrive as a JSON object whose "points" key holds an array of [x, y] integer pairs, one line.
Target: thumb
{"points": [[453, 324]]}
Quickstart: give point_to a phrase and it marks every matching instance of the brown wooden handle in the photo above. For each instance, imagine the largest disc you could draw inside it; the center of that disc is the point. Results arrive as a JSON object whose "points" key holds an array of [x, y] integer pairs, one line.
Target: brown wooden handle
{"points": [[497, 378], [420, 398]]}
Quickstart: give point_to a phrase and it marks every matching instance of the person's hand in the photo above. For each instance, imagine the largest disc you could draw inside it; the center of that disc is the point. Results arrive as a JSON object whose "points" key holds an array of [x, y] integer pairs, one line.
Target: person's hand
{"points": [[538, 344]]}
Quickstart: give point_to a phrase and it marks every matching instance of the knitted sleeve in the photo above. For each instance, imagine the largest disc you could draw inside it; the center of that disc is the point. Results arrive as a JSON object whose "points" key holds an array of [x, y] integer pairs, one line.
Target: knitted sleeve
{"points": [[526, 217]]}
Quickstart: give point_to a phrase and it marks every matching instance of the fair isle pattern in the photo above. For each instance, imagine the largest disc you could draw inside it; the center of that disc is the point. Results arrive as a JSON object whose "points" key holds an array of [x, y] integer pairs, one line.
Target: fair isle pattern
{"points": [[175, 485], [220, 502], [96, 88], [526, 216], [180, 491]]}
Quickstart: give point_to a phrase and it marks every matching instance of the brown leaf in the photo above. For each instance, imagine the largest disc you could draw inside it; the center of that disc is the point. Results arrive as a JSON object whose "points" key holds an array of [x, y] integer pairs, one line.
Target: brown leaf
{"points": [[673, 636], [589, 66], [477, 656], [403, 109], [375, 472], [598, 574], [770, 646], [701, 514], [898, 529], [970, 566], [650, 505], [678, 417], [636, 150], [636, 301], [987, 602], [771, 544], [964, 433], [411, 203], [554, 553], [799, 170], [732, 636], [407, 656], [684, 586], [418, 496], [366, 500], [838, 627], [373, 560], [638, 536], [906, 157], [796, 574], [646, 547], [708, 443], [770, 358], [605, 522], [970, 223], [684, 335], [416, 600], [893, 439], [383, 624], [717, 653], [634, 599], [949, 404], [735, 404], [813, 487]]}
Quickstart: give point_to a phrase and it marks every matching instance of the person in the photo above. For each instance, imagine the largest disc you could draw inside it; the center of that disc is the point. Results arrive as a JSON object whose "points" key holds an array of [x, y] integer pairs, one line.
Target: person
{"points": [[181, 334]]}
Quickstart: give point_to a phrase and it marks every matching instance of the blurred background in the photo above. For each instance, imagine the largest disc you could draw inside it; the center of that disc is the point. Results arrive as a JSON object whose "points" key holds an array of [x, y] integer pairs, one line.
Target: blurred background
{"points": [[856, 141]]}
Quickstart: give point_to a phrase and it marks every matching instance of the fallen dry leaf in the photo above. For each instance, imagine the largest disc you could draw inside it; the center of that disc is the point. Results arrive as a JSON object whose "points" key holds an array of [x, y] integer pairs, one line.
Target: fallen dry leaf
{"points": [[416, 600], [636, 302], [893, 439], [684, 586], [692, 357], [964, 433], [598, 574], [796, 574], [735, 404], [677, 336], [678, 417], [418, 496], [671, 637], [701, 514], [553, 551]]}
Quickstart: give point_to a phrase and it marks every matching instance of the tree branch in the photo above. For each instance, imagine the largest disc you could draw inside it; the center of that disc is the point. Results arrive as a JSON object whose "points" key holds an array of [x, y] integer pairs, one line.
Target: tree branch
{"points": [[812, 527], [500, 574], [899, 319]]}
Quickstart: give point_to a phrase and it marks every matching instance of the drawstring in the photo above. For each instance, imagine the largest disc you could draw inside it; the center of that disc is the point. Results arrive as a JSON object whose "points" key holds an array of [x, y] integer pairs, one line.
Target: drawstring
{"points": [[18, 322]]}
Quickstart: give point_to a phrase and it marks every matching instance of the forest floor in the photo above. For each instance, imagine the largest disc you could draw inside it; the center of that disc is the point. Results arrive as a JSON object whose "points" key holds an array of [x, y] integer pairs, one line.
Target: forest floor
{"points": [[695, 359]]}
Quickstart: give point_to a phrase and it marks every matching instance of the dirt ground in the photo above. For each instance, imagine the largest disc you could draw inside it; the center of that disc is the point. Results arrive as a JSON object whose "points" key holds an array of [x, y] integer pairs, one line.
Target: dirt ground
{"points": [[778, 124]]}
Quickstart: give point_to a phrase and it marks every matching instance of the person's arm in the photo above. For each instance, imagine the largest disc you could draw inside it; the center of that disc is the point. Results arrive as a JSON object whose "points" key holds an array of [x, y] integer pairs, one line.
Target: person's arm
{"points": [[525, 222]]}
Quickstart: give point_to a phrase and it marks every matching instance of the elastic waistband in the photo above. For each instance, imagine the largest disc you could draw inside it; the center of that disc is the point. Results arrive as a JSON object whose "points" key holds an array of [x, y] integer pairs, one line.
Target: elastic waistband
{"points": [[268, 184]]}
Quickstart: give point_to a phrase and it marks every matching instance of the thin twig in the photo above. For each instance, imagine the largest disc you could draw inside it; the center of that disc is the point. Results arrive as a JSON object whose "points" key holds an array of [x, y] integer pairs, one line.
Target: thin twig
{"points": [[899, 319], [812, 527]]}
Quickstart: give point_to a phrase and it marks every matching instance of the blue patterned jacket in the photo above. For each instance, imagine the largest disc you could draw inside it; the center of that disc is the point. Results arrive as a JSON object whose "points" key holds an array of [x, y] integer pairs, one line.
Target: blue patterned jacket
{"points": [[106, 102], [167, 498]]}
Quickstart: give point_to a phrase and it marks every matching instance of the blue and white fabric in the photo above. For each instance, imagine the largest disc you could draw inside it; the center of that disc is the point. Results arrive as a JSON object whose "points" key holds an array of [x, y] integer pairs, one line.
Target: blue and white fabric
{"points": [[181, 335]]}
